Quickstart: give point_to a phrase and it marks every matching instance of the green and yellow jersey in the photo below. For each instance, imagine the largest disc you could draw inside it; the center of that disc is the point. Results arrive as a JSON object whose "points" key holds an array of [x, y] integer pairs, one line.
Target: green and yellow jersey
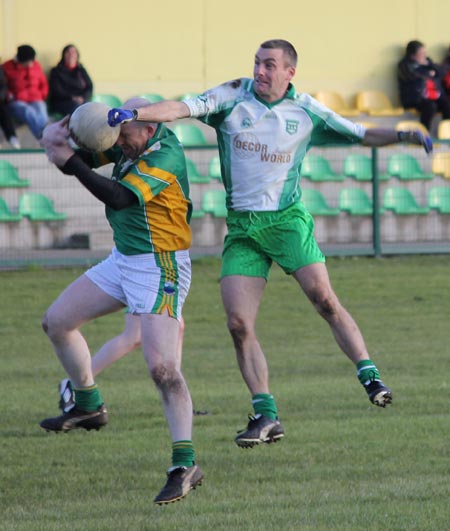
{"points": [[160, 222]]}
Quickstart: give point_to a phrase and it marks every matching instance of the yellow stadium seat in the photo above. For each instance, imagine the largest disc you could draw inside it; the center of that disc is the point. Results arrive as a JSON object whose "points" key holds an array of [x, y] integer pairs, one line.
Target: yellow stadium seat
{"points": [[441, 164], [367, 125], [443, 132], [376, 103], [335, 102], [411, 125]]}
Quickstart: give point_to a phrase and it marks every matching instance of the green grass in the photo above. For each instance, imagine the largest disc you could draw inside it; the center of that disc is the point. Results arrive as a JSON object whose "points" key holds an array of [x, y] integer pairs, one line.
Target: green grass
{"points": [[343, 465]]}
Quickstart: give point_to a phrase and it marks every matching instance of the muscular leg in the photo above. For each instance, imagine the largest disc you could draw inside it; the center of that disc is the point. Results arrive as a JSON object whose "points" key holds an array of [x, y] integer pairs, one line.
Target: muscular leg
{"points": [[241, 297], [315, 282], [160, 335], [79, 303]]}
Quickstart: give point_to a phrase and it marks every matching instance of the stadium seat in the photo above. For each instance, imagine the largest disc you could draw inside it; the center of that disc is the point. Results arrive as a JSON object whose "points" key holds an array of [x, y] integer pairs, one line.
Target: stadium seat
{"points": [[367, 125], [376, 103], [335, 102], [401, 201], [107, 99], [317, 168], [5, 213], [194, 175], [38, 207], [443, 132], [441, 164], [152, 97], [355, 201], [189, 135], [213, 202], [9, 177], [411, 125], [359, 167], [187, 96], [214, 170], [406, 167], [439, 199], [316, 204]]}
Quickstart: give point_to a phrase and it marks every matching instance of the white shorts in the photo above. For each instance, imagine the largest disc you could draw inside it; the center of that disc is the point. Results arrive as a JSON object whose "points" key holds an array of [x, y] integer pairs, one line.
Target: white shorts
{"points": [[146, 283]]}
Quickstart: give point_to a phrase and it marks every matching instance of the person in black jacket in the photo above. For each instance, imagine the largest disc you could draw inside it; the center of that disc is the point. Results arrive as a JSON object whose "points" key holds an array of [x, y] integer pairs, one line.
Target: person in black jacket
{"points": [[420, 84], [70, 84], [6, 121]]}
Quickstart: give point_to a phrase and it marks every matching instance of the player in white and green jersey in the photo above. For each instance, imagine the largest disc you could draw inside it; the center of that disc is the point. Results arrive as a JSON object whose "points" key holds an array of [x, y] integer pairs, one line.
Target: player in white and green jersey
{"points": [[149, 271], [264, 129]]}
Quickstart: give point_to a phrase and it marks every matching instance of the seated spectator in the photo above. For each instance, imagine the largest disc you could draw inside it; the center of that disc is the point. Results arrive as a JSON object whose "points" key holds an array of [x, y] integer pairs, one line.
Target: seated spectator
{"points": [[446, 78], [420, 83], [6, 123], [69, 83], [27, 89]]}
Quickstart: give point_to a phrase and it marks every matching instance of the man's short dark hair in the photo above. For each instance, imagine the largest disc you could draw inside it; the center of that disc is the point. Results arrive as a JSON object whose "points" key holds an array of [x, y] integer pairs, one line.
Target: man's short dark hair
{"points": [[412, 47], [288, 49]]}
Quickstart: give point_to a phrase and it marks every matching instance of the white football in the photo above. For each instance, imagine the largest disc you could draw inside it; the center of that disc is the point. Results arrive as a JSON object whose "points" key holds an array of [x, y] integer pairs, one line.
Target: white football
{"points": [[89, 128]]}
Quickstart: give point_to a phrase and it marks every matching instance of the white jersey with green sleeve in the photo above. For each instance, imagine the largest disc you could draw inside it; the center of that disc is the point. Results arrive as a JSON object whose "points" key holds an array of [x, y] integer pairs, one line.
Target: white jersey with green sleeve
{"points": [[262, 145]]}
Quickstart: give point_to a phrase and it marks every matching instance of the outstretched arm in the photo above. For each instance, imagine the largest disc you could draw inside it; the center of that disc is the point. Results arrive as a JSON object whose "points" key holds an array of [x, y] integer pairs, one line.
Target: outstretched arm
{"points": [[163, 111], [383, 137]]}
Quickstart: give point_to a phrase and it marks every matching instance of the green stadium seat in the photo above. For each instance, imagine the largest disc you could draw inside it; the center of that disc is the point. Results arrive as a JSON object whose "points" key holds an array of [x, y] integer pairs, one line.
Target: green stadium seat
{"points": [[197, 213], [406, 168], [187, 96], [107, 99], [152, 97], [194, 175], [401, 201], [359, 167], [9, 177], [316, 204], [317, 168], [214, 170], [38, 207], [213, 202], [355, 201], [189, 135], [439, 199], [5, 213]]}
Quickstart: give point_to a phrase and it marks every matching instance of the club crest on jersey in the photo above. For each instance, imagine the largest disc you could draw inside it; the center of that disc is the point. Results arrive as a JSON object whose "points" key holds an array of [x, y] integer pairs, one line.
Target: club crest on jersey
{"points": [[291, 126], [246, 122]]}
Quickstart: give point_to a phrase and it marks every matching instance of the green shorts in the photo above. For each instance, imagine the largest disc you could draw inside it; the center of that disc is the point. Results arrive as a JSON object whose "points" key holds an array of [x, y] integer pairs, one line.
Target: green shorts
{"points": [[256, 239]]}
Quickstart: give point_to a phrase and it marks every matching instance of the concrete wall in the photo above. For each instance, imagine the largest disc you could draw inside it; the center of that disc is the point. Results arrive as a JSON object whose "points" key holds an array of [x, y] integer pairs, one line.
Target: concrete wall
{"points": [[178, 46]]}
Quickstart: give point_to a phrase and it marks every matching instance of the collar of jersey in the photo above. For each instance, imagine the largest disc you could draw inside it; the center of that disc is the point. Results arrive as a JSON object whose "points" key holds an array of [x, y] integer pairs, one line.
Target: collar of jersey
{"points": [[290, 94]]}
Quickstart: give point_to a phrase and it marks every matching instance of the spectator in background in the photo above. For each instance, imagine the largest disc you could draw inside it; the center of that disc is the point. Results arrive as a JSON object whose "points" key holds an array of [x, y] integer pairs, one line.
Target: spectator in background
{"points": [[69, 83], [446, 72], [420, 84], [6, 123], [27, 89]]}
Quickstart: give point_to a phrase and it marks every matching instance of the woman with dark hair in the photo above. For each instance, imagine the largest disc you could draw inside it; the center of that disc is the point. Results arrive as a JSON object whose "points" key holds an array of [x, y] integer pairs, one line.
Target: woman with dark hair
{"points": [[420, 84], [70, 84]]}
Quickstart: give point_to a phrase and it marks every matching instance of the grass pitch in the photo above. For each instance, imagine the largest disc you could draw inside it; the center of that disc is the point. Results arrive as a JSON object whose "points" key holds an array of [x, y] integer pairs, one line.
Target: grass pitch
{"points": [[343, 465]]}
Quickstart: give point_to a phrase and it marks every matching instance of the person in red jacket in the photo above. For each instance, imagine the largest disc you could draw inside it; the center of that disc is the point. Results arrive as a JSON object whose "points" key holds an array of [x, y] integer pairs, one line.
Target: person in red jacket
{"points": [[27, 89]]}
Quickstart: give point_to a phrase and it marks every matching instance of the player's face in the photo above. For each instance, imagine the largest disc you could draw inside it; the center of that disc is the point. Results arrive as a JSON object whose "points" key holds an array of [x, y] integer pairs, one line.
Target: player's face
{"points": [[271, 74], [133, 139]]}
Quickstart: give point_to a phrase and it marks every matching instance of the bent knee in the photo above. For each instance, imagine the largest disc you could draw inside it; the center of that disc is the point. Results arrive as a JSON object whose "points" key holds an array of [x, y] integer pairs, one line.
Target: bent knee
{"points": [[166, 377], [238, 327], [327, 304]]}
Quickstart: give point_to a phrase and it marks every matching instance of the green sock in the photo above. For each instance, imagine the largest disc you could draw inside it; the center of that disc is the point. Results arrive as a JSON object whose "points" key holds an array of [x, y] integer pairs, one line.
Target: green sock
{"points": [[183, 453], [88, 398], [367, 372], [264, 404]]}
